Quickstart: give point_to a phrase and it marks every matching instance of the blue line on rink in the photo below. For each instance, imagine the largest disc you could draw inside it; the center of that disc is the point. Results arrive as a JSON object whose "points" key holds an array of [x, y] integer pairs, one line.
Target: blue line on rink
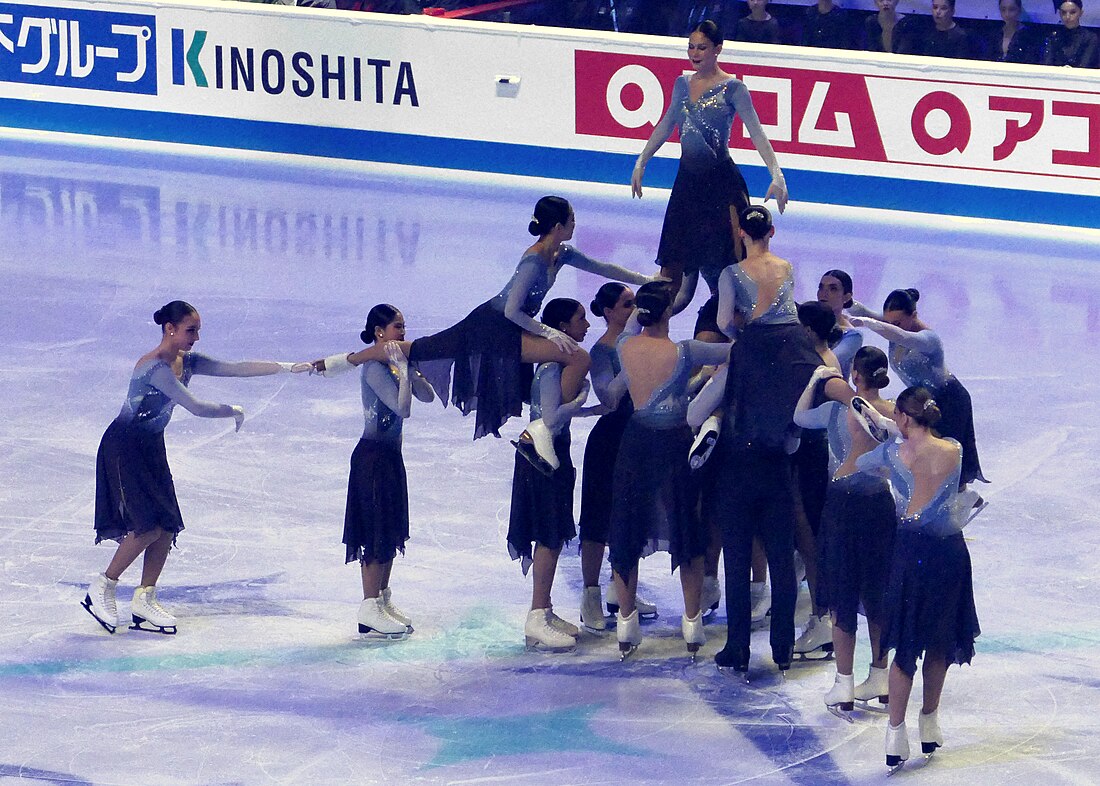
{"points": [[513, 159]]}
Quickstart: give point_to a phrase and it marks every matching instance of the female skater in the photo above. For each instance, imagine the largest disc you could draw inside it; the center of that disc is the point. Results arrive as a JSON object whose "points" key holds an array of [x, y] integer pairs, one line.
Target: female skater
{"points": [[857, 524], [835, 290], [653, 496], [489, 346], [700, 228], [916, 353], [376, 519], [615, 303], [541, 518], [135, 498], [929, 605]]}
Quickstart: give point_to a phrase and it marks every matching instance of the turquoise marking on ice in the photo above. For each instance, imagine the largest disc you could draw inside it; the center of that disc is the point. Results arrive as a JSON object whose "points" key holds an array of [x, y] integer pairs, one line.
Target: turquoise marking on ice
{"points": [[554, 731]]}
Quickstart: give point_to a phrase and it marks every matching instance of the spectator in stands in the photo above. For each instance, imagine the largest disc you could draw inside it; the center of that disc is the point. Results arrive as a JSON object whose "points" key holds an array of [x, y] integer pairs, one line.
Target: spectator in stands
{"points": [[759, 27], [826, 25], [945, 38], [880, 31], [1071, 45], [1012, 41]]}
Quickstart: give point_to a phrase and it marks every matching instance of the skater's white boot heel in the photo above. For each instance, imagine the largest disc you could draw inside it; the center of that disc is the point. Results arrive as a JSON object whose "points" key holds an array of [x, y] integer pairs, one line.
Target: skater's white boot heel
{"points": [[557, 623], [839, 699], [394, 612], [592, 610], [897, 747], [646, 609], [816, 640], [694, 635], [711, 595], [628, 631], [536, 444], [375, 623], [541, 636], [100, 602], [930, 735], [875, 688], [704, 442], [148, 614]]}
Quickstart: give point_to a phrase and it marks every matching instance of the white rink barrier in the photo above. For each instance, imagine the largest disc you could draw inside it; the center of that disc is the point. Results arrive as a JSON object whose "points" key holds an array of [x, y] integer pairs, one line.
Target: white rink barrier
{"points": [[962, 137]]}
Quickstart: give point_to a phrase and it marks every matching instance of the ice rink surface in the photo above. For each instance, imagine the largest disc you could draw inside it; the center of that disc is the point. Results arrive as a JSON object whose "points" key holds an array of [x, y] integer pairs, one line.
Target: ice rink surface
{"points": [[267, 681]]}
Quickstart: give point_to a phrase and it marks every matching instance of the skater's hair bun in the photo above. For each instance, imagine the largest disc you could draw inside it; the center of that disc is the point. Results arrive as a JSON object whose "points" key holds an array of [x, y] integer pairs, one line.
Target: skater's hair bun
{"points": [[559, 311], [1059, 3], [755, 221], [173, 313], [845, 284], [902, 300], [819, 318], [873, 366], [549, 212], [653, 300], [917, 403], [381, 316], [710, 29], [606, 297]]}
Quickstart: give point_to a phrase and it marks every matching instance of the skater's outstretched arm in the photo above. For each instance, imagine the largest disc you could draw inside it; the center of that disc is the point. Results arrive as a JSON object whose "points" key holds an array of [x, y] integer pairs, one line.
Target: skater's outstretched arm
{"points": [[208, 366], [526, 276], [581, 261], [738, 94], [806, 414], [661, 132], [164, 380], [924, 341], [687, 292]]}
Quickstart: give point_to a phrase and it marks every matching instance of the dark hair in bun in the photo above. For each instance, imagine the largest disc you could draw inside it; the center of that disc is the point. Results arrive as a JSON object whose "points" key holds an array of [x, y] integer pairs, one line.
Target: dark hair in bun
{"points": [[845, 284], [917, 403], [606, 297], [755, 221], [873, 366], [902, 300], [172, 313], [819, 318], [381, 316], [1059, 3], [710, 29], [559, 311], [652, 300], [549, 212]]}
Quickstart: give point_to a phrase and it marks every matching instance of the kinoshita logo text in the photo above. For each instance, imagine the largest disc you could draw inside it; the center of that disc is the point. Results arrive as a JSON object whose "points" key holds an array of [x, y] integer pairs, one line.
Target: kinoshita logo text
{"points": [[197, 62]]}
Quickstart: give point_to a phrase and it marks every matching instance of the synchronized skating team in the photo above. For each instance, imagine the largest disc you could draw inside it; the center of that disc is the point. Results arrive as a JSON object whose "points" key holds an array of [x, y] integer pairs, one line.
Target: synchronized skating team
{"points": [[763, 436]]}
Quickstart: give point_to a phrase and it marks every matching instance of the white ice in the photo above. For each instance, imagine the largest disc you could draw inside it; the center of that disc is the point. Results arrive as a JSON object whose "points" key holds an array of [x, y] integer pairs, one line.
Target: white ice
{"points": [[267, 681]]}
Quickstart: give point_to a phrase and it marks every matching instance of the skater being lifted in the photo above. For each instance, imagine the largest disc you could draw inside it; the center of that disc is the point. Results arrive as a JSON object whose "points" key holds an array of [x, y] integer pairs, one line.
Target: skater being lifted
{"points": [[135, 500]]}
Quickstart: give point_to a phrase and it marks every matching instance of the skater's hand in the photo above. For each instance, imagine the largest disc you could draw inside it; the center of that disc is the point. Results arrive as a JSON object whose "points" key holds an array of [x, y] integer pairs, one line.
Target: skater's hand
{"points": [[317, 367], [778, 190], [396, 356], [858, 322], [562, 341], [826, 372], [238, 416], [301, 368], [636, 180]]}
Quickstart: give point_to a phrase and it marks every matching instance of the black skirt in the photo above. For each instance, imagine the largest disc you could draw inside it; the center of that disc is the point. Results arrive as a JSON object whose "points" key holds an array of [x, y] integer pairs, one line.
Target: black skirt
{"points": [[376, 520], [957, 422], [698, 231], [855, 548], [929, 604], [542, 506], [134, 491], [654, 498], [600, 453], [811, 474], [489, 377]]}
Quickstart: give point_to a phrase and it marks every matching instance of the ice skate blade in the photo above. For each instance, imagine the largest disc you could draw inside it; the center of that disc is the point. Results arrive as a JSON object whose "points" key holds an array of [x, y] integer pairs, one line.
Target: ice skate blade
{"points": [[369, 633], [139, 623], [595, 631], [527, 450], [882, 708], [87, 605], [626, 649], [738, 674], [613, 609], [534, 645], [979, 506], [821, 654], [842, 710], [894, 764]]}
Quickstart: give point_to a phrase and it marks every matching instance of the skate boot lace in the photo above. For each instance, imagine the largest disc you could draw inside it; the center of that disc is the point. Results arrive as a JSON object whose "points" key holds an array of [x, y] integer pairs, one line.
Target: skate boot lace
{"points": [[152, 602]]}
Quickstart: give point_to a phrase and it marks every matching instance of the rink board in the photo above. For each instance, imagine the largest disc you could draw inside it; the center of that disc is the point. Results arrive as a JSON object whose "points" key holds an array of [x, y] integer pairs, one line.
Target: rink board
{"points": [[984, 140]]}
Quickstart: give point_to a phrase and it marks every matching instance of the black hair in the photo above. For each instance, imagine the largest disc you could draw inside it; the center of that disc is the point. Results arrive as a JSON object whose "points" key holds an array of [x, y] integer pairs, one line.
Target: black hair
{"points": [[1059, 3], [873, 366], [381, 316], [559, 311], [952, 4], [902, 300], [845, 284], [755, 221], [652, 300], [549, 212], [1019, 4], [710, 29], [819, 318], [606, 297], [917, 403], [172, 313]]}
